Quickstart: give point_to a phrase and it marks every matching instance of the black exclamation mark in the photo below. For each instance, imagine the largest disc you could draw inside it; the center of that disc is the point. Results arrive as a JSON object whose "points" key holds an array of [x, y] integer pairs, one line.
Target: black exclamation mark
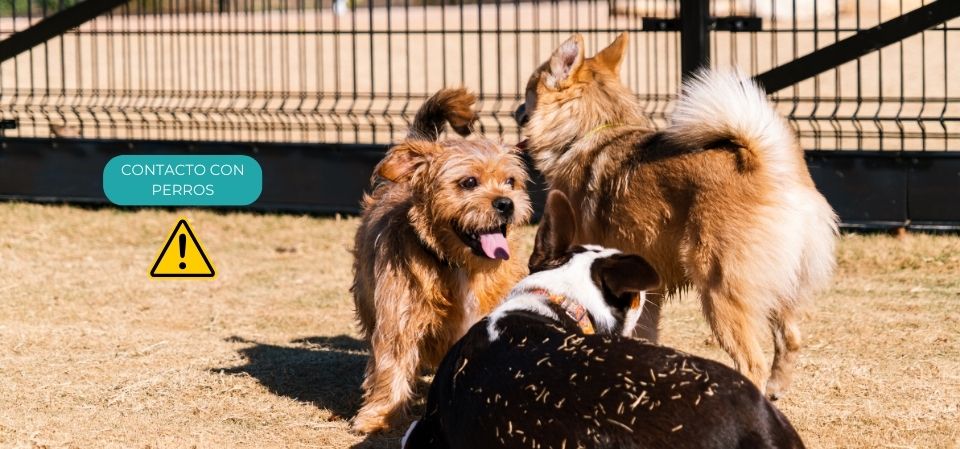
{"points": [[183, 250]]}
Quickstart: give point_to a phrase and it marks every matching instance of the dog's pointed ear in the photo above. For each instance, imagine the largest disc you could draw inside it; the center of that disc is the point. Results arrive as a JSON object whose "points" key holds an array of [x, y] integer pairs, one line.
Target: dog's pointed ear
{"points": [[565, 61], [611, 56], [622, 277], [403, 160], [556, 234]]}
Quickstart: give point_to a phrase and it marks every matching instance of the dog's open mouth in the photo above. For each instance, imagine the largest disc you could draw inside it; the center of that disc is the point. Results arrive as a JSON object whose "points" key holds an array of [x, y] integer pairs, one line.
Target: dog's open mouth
{"points": [[490, 243]]}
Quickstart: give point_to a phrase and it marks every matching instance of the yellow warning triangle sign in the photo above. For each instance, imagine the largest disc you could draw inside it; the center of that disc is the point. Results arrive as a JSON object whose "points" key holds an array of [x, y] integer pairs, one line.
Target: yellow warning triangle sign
{"points": [[182, 256]]}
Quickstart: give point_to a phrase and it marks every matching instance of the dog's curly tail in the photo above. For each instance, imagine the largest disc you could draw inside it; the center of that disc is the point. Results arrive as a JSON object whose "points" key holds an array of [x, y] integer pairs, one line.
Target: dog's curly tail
{"points": [[725, 106], [454, 106]]}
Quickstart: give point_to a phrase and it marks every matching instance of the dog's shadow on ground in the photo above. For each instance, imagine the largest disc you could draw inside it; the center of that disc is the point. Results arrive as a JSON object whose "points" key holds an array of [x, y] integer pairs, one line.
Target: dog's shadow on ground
{"points": [[324, 371]]}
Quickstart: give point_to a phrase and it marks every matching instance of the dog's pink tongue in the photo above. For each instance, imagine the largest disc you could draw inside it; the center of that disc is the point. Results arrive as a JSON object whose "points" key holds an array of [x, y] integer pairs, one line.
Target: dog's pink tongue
{"points": [[495, 245]]}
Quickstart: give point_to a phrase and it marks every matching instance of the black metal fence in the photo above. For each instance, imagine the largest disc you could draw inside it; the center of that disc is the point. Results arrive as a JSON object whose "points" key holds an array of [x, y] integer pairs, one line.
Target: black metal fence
{"points": [[320, 86], [291, 71], [354, 71]]}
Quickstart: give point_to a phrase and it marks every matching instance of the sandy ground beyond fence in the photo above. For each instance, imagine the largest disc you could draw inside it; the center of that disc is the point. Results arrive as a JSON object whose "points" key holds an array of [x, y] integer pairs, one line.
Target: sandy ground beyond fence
{"points": [[93, 354]]}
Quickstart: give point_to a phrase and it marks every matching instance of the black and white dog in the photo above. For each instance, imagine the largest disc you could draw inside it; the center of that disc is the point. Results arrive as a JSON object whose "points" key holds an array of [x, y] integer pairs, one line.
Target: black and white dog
{"points": [[554, 367]]}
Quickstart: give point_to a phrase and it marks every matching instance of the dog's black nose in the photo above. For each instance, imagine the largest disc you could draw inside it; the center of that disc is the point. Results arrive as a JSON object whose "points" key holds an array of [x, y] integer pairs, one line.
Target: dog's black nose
{"points": [[520, 115], [503, 205]]}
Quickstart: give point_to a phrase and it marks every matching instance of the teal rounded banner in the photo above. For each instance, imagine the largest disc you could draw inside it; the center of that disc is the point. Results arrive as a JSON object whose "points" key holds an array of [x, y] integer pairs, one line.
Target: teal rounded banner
{"points": [[182, 180]]}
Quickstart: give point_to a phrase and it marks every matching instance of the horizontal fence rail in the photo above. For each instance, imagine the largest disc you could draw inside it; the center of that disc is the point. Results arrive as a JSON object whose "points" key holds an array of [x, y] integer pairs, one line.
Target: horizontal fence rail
{"points": [[868, 189]]}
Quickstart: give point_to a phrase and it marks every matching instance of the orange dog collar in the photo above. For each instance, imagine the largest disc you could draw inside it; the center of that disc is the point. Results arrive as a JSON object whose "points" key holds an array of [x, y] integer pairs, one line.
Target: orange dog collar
{"points": [[573, 309]]}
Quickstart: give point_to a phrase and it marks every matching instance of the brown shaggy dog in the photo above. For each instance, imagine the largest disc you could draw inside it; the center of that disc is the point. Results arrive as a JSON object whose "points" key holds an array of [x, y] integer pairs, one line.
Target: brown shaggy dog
{"points": [[433, 250], [721, 200]]}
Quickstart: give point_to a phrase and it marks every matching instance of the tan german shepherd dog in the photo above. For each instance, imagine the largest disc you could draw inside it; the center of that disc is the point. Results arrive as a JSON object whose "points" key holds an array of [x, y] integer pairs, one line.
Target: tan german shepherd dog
{"points": [[720, 200]]}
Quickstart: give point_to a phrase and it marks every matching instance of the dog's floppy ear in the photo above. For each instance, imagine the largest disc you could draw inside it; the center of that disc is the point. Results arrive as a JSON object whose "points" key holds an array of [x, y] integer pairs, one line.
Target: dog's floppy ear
{"points": [[622, 277], [565, 61], [556, 234], [403, 160], [611, 56]]}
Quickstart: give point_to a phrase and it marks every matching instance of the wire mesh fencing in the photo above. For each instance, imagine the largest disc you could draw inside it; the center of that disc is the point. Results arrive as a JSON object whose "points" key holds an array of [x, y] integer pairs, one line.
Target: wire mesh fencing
{"points": [[353, 71], [902, 97]]}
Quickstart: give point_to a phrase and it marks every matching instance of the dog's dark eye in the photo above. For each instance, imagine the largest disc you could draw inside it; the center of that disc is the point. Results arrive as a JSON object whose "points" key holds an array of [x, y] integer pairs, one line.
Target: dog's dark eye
{"points": [[468, 183], [511, 182]]}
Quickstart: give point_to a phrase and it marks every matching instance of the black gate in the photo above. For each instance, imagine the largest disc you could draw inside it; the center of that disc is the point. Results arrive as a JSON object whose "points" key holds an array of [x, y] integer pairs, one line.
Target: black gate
{"points": [[316, 89]]}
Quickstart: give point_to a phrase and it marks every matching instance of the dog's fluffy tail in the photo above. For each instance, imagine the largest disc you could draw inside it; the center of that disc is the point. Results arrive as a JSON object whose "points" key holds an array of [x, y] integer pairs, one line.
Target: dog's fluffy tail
{"points": [[454, 106], [727, 109], [724, 105]]}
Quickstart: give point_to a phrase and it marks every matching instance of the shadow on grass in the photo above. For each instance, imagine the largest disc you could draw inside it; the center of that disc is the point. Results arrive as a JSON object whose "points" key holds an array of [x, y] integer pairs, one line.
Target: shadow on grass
{"points": [[324, 371]]}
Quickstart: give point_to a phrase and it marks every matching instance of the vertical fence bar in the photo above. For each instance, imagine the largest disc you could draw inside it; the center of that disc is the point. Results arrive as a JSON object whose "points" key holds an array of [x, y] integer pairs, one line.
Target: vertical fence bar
{"points": [[694, 35]]}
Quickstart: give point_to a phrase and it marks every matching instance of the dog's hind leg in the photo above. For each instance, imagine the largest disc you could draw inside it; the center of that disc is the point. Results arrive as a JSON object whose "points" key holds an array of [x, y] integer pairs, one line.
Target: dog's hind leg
{"points": [[735, 325], [786, 343]]}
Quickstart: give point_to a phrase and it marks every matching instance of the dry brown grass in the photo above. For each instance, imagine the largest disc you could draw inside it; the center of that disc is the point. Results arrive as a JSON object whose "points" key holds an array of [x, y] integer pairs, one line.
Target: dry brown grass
{"points": [[94, 354]]}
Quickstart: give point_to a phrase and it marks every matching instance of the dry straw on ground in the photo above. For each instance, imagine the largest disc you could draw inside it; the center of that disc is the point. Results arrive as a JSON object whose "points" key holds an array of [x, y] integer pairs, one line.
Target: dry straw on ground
{"points": [[94, 354]]}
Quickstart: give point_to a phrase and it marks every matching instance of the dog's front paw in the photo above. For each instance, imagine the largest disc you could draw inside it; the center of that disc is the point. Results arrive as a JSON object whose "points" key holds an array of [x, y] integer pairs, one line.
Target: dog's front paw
{"points": [[365, 423]]}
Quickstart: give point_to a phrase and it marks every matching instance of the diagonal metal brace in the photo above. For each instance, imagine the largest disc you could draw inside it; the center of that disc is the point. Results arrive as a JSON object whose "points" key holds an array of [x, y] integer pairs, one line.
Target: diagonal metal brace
{"points": [[859, 44], [54, 25]]}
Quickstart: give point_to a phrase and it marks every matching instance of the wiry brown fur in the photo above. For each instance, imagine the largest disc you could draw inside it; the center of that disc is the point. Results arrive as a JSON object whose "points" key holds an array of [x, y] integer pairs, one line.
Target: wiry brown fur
{"points": [[713, 201], [417, 286]]}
